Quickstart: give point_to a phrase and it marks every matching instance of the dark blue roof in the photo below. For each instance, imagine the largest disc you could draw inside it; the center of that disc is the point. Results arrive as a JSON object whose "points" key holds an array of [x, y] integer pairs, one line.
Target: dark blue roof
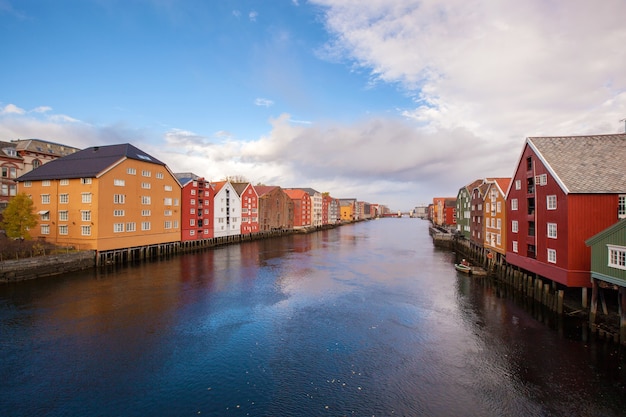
{"points": [[87, 163]]}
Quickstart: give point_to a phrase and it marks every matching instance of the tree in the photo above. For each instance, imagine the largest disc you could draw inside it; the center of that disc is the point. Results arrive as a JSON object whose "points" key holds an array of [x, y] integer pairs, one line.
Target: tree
{"points": [[18, 217]]}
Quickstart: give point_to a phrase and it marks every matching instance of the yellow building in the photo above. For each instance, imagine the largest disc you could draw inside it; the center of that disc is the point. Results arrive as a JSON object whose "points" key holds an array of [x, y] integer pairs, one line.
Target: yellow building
{"points": [[104, 198], [495, 215]]}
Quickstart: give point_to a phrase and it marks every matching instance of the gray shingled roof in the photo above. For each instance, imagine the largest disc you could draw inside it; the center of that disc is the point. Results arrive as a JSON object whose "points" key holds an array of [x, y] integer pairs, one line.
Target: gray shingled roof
{"points": [[585, 164], [88, 163]]}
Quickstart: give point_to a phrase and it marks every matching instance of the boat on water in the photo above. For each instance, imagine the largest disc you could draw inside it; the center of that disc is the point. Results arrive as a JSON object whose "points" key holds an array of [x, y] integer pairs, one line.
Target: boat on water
{"points": [[470, 270]]}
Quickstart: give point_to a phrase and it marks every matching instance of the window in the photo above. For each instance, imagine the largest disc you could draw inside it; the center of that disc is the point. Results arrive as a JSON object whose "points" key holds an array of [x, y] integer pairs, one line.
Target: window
{"points": [[119, 198], [36, 163], [167, 201], [514, 226], [63, 229], [168, 224], [499, 224], [9, 172], [85, 230], [64, 182], [85, 180], [131, 227], [175, 224], [145, 225], [514, 204], [167, 213], [193, 192], [145, 173], [552, 256], [145, 213], [28, 184], [192, 211], [551, 202], [63, 216], [552, 230], [192, 202], [529, 163], [192, 222], [64, 198], [541, 179], [167, 188], [159, 175], [192, 233], [118, 227], [617, 257], [86, 197], [45, 215], [176, 202], [45, 199], [85, 215], [518, 184], [145, 199], [145, 185], [118, 182], [131, 171], [45, 229], [621, 207], [118, 213]]}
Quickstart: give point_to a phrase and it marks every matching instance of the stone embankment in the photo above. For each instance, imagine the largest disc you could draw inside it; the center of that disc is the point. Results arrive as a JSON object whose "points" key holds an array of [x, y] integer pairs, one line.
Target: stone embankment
{"points": [[44, 266]]}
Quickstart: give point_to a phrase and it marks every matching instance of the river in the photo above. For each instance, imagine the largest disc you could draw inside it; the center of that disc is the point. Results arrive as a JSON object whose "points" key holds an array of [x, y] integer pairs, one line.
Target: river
{"points": [[366, 319]]}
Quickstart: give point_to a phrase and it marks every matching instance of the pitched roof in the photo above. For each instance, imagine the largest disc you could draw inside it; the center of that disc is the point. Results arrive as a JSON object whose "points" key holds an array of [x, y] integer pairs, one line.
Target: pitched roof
{"points": [[263, 189], [88, 163], [44, 147], [584, 164], [239, 187], [296, 193]]}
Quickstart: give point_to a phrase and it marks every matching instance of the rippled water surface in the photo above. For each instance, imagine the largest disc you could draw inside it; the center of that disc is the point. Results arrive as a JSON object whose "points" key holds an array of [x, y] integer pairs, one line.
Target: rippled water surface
{"points": [[365, 320]]}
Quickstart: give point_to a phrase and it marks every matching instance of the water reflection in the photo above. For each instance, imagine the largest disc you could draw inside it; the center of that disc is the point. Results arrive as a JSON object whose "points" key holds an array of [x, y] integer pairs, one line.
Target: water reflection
{"points": [[367, 319]]}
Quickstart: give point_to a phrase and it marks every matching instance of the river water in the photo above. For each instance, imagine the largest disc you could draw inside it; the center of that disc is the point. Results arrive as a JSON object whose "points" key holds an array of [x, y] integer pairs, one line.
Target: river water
{"points": [[363, 320]]}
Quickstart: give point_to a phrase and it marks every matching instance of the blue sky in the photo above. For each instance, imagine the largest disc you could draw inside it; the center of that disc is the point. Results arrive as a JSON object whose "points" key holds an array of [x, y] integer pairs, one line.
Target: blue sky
{"points": [[393, 102]]}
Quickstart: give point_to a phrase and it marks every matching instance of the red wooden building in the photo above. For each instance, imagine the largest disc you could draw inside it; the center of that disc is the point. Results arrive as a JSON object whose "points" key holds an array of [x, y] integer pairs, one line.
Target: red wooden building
{"points": [[564, 191], [196, 207], [249, 207]]}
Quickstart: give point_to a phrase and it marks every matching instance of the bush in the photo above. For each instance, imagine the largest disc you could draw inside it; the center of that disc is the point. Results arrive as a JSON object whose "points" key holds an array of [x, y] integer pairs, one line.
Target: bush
{"points": [[21, 248]]}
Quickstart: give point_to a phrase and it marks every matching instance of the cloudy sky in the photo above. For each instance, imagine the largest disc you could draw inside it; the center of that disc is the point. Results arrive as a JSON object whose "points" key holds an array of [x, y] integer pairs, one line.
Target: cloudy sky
{"points": [[387, 101]]}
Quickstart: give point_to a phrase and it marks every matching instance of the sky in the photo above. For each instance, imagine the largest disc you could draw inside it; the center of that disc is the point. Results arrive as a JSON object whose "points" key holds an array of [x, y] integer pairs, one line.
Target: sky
{"points": [[388, 101]]}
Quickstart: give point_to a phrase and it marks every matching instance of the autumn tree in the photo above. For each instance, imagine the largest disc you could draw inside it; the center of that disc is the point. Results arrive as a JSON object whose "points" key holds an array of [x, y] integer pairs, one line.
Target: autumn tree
{"points": [[19, 217]]}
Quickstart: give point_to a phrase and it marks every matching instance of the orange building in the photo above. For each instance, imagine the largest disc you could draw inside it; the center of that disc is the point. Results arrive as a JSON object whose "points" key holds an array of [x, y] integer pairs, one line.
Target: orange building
{"points": [[105, 198], [495, 215], [301, 207]]}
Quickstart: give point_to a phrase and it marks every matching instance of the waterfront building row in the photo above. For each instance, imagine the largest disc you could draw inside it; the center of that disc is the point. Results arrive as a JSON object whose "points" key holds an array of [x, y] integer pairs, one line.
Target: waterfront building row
{"points": [[544, 220], [113, 197]]}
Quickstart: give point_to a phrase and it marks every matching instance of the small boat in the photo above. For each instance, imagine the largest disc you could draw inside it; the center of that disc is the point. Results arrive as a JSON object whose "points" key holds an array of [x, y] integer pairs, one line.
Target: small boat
{"points": [[463, 268]]}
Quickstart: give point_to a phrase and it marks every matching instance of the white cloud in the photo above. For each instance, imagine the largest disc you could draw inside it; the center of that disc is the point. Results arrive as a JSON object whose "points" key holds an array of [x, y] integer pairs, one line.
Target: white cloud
{"points": [[11, 109], [498, 69], [42, 109], [263, 102], [253, 15]]}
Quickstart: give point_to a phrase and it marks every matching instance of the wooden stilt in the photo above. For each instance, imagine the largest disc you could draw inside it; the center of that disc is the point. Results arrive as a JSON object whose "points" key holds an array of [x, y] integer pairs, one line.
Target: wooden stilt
{"points": [[594, 302]]}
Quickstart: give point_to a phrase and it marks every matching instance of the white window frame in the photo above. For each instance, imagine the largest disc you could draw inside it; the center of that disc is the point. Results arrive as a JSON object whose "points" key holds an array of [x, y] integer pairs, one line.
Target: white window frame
{"points": [[514, 226], [45, 198], [85, 180], [118, 213], [85, 230], [119, 198], [64, 198], [552, 256], [85, 215], [86, 198], [118, 227], [621, 206], [146, 200], [552, 230], [64, 216], [131, 227], [514, 205], [616, 257], [515, 246], [145, 226], [63, 229], [131, 171], [118, 182], [551, 202], [45, 229]]}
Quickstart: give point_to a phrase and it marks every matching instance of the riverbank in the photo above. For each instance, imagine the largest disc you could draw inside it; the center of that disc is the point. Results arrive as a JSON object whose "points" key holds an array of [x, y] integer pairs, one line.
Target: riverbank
{"points": [[557, 299], [58, 264]]}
